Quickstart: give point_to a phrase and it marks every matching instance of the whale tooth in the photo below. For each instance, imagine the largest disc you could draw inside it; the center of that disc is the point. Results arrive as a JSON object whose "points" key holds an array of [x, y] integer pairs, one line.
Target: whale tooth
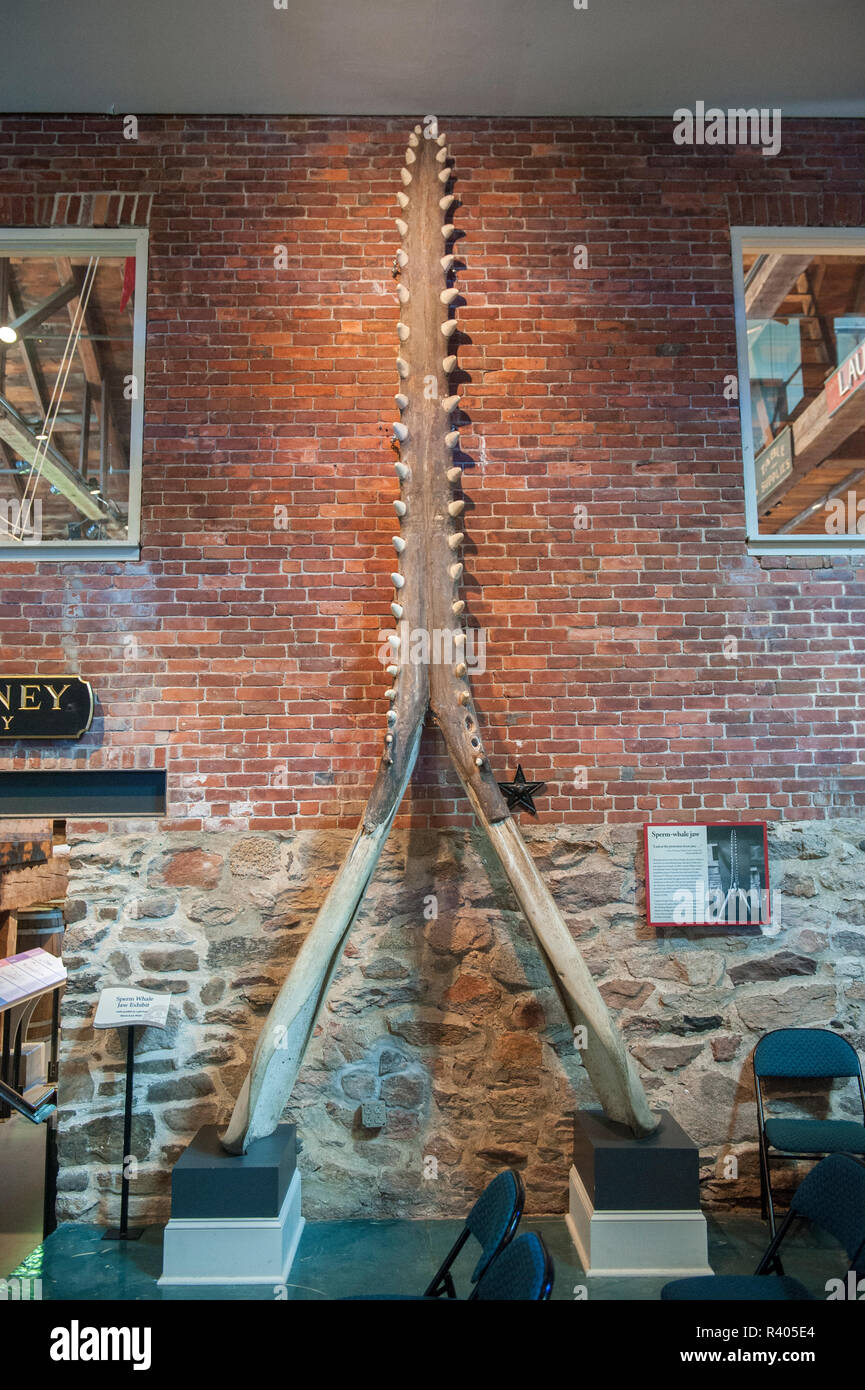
{"points": [[458, 606], [447, 261], [402, 331], [460, 668], [449, 295], [401, 226], [447, 202], [441, 154], [463, 697], [401, 400], [448, 230], [400, 430], [455, 508], [400, 507], [391, 716], [444, 174], [401, 258], [410, 155], [398, 581], [452, 438], [456, 572], [405, 176], [412, 139], [393, 642], [456, 540], [440, 139], [401, 471], [454, 474], [417, 130], [392, 670], [402, 367], [391, 694], [398, 544], [402, 199], [449, 326], [448, 364], [450, 403], [397, 610], [479, 761], [402, 294]]}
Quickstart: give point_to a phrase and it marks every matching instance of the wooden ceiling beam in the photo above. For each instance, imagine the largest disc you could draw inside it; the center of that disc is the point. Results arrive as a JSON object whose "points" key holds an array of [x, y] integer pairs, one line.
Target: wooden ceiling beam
{"points": [[31, 318], [93, 371], [816, 436], [52, 466], [772, 282]]}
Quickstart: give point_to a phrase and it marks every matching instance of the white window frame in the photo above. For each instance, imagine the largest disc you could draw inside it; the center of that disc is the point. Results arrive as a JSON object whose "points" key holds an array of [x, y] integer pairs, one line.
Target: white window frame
{"points": [[100, 241], [761, 239]]}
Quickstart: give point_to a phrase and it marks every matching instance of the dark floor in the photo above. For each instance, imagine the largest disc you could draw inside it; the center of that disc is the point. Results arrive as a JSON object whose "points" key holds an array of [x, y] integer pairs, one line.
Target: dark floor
{"points": [[338, 1258]]}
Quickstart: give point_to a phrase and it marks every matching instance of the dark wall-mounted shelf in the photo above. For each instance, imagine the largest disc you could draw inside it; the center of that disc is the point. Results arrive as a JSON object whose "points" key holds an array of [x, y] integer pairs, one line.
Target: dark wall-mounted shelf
{"points": [[61, 794]]}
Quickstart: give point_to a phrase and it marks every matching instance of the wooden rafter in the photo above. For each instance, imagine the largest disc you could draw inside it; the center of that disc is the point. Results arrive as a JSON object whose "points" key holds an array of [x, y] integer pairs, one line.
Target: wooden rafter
{"points": [[771, 283], [53, 467], [29, 319], [91, 361]]}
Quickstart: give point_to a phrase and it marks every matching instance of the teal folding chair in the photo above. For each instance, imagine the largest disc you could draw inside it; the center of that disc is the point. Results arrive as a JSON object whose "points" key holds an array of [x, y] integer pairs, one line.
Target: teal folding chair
{"points": [[801, 1053], [492, 1222], [832, 1196], [523, 1271]]}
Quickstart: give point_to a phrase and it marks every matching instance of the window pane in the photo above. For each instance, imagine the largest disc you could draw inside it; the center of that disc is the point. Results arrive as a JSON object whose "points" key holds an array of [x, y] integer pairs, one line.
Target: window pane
{"points": [[805, 316], [67, 393]]}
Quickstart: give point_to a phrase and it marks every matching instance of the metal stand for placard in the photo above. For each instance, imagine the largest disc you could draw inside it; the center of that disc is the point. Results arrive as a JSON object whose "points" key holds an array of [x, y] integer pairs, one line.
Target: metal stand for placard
{"points": [[124, 1231]]}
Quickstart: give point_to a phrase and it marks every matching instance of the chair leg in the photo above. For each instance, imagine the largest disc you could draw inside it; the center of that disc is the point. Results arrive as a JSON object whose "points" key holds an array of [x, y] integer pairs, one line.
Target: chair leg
{"points": [[771, 1261], [763, 1208], [766, 1187]]}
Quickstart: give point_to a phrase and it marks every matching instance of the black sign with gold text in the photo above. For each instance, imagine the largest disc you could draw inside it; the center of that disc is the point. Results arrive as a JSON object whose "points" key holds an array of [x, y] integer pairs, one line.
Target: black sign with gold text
{"points": [[45, 706]]}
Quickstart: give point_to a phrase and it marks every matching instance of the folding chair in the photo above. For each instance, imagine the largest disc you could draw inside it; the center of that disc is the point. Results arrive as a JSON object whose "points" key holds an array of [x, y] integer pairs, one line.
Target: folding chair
{"points": [[492, 1221], [801, 1053], [523, 1270], [832, 1196]]}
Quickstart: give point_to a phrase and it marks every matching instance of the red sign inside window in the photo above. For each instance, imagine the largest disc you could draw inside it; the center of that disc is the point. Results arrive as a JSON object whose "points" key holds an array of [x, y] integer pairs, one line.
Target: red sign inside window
{"points": [[846, 379]]}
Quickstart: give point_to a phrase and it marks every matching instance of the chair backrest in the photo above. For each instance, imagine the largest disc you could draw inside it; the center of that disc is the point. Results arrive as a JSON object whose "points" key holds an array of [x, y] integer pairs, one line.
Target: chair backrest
{"points": [[805, 1052], [523, 1270], [833, 1197], [495, 1216]]}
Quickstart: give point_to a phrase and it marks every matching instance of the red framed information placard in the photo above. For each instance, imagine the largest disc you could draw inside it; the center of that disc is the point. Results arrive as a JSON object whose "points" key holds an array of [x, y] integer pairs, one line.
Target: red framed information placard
{"points": [[711, 873]]}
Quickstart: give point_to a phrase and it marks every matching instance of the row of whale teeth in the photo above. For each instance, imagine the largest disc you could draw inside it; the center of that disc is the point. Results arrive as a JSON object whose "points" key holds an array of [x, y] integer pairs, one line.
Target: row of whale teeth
{"points": [[449, 404]]}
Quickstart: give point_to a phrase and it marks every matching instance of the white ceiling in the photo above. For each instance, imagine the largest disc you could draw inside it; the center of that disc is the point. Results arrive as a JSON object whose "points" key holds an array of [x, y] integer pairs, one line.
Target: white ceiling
{"points": [[465, 57]]}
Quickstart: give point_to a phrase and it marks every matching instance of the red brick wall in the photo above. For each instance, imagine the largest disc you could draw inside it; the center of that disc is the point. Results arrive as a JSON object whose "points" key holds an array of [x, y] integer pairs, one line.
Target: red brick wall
{"points": [[253, 668]]}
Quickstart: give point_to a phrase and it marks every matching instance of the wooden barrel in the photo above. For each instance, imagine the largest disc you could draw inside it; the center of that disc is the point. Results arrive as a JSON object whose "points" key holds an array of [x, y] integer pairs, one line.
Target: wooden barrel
{"points": [[40, 924]]}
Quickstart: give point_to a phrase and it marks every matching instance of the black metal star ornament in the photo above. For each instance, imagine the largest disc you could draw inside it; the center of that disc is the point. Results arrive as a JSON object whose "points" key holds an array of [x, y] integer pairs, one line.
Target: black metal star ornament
{"points": [[519, 792]]}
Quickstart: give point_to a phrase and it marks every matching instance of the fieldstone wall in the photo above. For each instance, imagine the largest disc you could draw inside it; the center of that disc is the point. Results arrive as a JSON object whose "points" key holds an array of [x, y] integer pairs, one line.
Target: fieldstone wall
{"points": [[442, 1007]]}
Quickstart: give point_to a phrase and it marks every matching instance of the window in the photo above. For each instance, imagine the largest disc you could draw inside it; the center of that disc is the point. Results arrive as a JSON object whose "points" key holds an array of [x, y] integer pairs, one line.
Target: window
{"points": [[800, 324], [72, 324]]}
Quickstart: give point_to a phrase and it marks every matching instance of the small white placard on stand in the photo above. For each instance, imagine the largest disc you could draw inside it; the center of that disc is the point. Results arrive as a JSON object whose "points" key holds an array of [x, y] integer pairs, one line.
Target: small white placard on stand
{"points": [[123, 1008]]}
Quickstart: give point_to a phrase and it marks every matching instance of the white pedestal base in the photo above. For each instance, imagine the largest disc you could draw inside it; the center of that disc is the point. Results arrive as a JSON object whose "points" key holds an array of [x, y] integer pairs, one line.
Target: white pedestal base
{"points": [[662, 1244], [234, 1250]]}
